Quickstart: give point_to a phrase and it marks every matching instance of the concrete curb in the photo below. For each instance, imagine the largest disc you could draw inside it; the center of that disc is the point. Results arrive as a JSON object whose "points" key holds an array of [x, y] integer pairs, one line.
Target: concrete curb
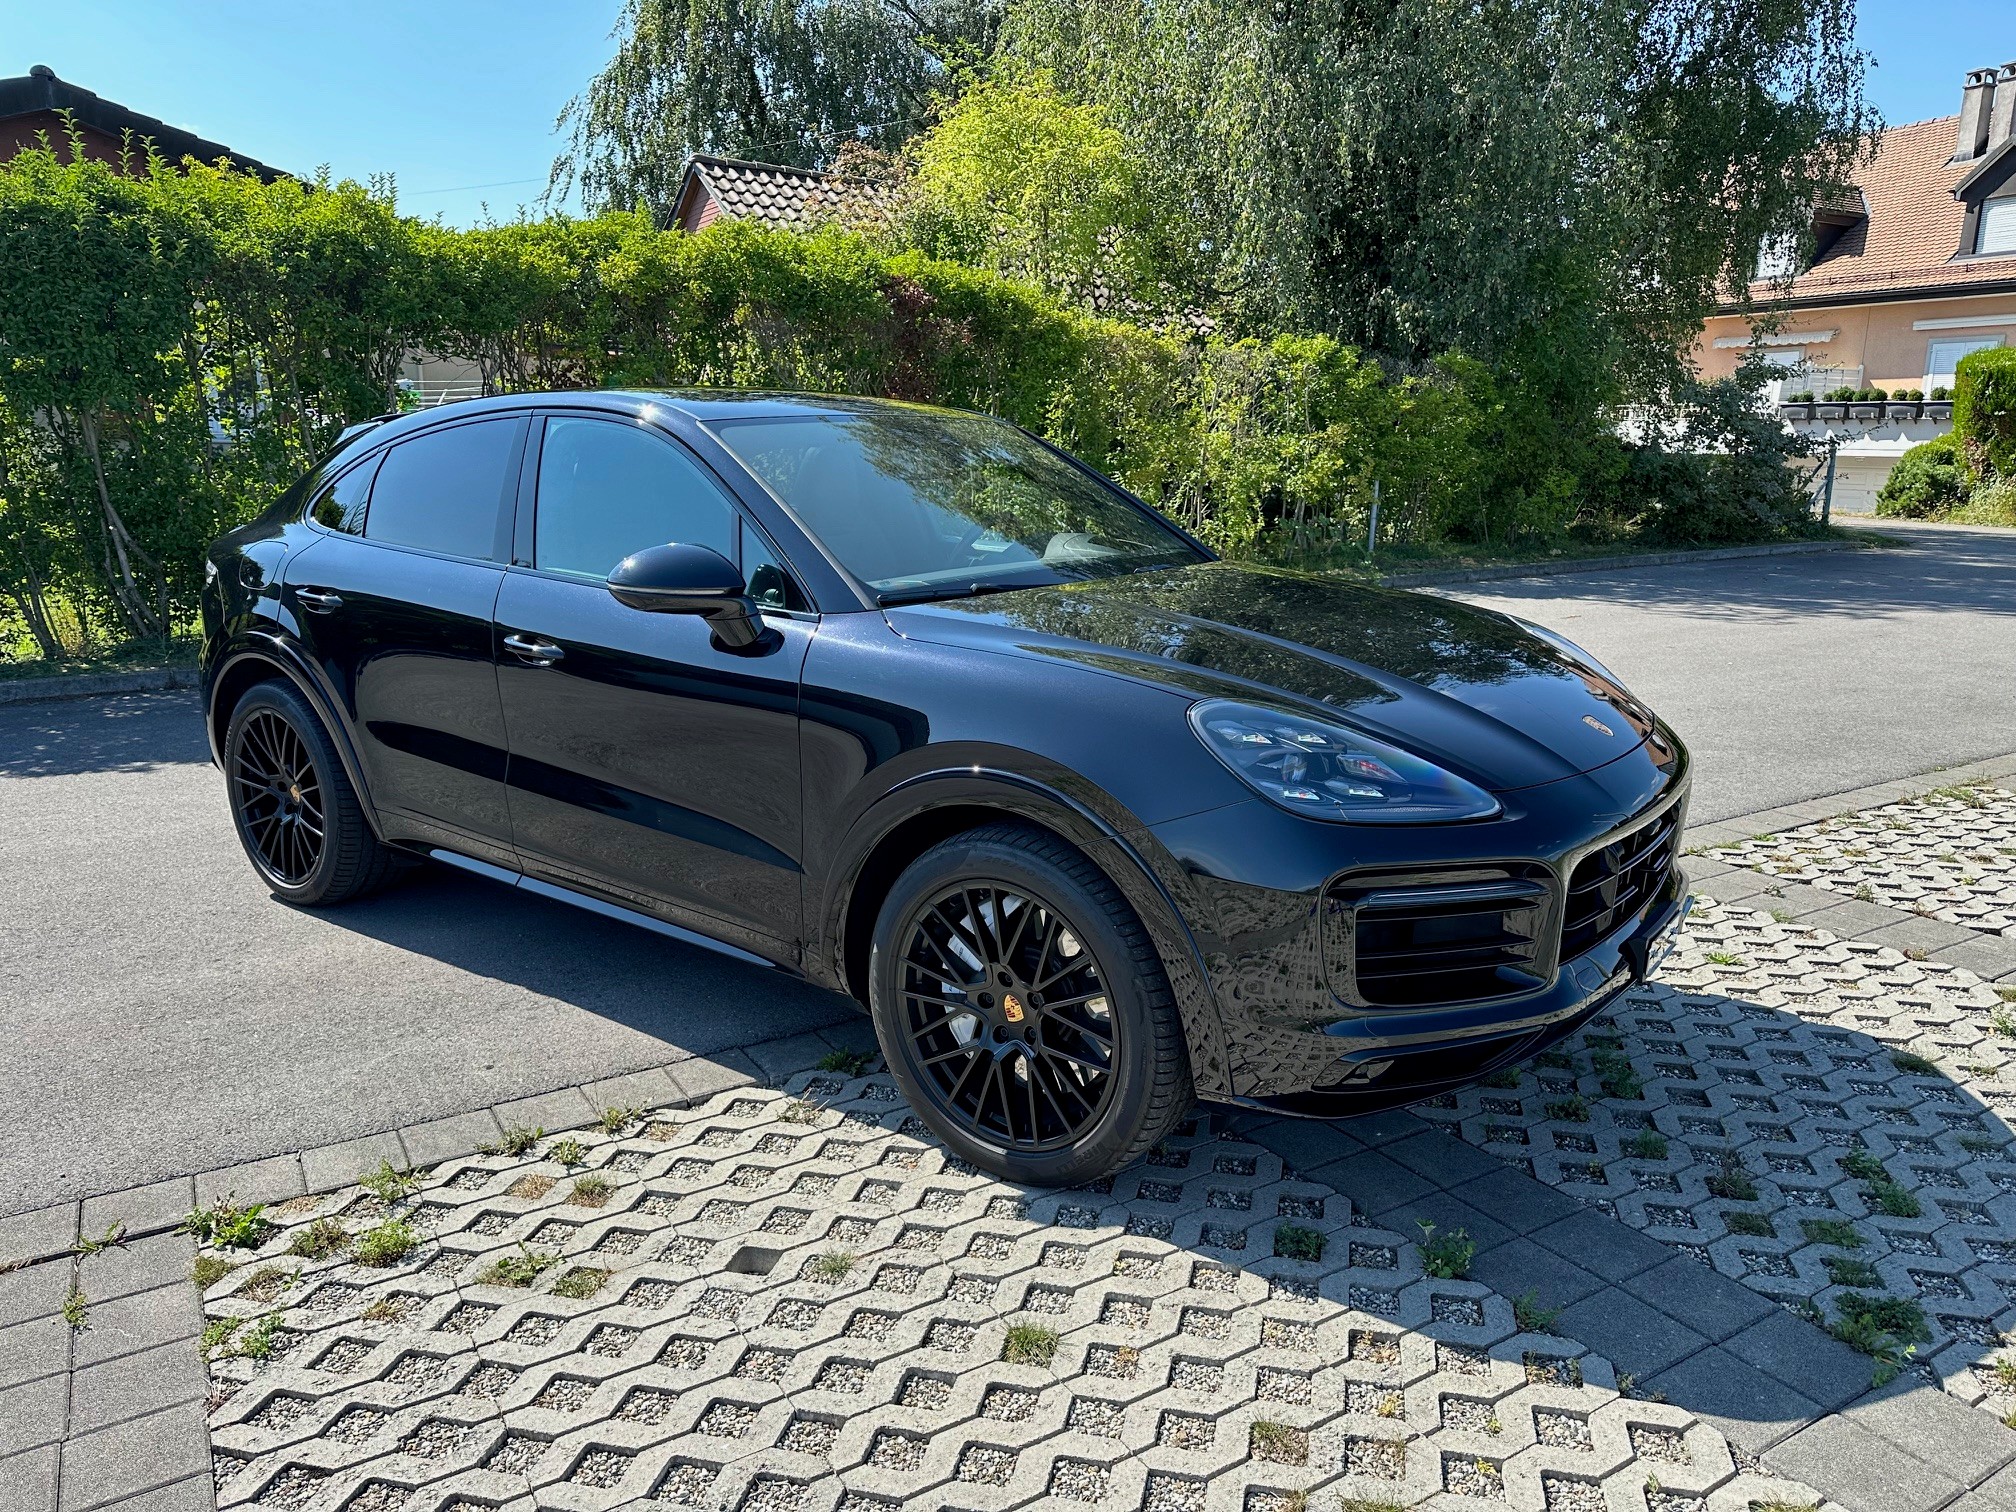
{"points": [[96, 684], [1610, 563]]}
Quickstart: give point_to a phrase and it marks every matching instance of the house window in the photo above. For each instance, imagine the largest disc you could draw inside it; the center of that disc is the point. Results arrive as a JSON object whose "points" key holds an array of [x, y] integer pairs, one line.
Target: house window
{"points": [[1998, 226], [1789, 372], [1941, 357], [1778, 258]]}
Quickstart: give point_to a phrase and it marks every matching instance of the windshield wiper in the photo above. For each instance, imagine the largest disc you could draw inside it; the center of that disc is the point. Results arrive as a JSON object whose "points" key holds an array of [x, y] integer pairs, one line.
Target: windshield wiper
{"points": [[947, 591]]}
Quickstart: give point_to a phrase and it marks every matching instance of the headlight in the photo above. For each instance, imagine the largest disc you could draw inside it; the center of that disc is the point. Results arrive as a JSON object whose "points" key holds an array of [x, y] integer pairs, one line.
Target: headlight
{"points": [[1567, 648], [1325, 771]]}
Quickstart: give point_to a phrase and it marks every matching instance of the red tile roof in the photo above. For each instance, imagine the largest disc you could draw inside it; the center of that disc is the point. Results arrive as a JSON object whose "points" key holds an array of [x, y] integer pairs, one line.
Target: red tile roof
{"points": [[771, 194], [1910, 240]]}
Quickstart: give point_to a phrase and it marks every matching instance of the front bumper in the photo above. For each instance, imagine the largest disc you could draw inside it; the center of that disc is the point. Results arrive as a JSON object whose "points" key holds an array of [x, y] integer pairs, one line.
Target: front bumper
{"points": [[1260, 887]]}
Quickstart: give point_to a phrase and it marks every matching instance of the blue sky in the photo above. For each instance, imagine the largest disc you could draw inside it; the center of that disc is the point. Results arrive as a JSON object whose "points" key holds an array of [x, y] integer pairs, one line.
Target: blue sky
{"points": [[456, 98]]}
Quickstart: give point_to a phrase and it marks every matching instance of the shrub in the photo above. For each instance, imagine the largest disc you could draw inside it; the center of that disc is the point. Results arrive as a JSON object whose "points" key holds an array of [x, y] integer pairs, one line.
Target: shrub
{"points": [[1928, 482], [1984, 410]]}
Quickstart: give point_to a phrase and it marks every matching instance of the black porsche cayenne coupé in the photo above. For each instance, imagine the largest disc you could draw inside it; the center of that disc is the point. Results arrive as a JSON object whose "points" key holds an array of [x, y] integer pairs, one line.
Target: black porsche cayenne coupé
{"points": [[911, 704]]}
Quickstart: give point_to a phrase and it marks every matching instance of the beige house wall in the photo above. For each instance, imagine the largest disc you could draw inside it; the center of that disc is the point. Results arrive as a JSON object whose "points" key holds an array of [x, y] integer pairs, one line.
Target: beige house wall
{"points": [[1882, 340]]}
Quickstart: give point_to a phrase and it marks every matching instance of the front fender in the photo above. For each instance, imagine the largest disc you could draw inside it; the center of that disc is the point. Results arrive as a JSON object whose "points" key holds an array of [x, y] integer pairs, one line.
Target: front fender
{"points": [[1128, 855]]}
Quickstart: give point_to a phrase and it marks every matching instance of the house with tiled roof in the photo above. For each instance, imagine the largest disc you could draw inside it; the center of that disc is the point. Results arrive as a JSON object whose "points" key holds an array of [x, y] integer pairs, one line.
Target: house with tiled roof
{"points": [[39, 107], [1904, 274], [771, 194]]}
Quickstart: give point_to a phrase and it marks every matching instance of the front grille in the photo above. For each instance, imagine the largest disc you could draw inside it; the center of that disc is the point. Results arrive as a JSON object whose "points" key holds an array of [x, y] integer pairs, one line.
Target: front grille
{"points": [[1613, 884], [1444, 941]]}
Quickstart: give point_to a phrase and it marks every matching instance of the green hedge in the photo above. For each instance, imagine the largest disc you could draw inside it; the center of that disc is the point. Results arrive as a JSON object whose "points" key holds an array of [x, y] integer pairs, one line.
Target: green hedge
{"points": [[177, 344], [1929, 481], [1984, 410]]}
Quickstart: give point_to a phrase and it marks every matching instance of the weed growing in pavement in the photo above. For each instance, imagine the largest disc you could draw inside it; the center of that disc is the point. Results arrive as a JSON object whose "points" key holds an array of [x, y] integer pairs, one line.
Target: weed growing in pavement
{"points": [[1913, 1065], [1862, 1166], [1647, 1144], [1725, 958], [2005, 1373], [831, 1267], [268, 1282], [228, 1226], [590, 1191], [1280, 1443], [115, 1234], [387, 1310], [1557, 1060], [209, 1270], [1391, 1404], [261, 1340], [580, 1283], [846, 1062], [1864, 893], [1756, 1225], [76, 1308], [1781, 916], [1730, 1181], [1295, 1241], [1887, 1329], [1836, 1231], [1531, 1315], [1892, 1200], [1507, 1078], [531, 1187], [1360, 1504], [1029, 1344], [2007, 994], [1979, 1144], [215, 1340], [387, 1244], [799, 1111], [1571, 1109], [616, 1120], [2002, 1021], [1963, 793], [319, 1240], [1846, 1270], [517, 1140], [1620, 1079], [1447, 1258], [568, 1152], [388, 1185], [521, 1269], [1628, 1386]]}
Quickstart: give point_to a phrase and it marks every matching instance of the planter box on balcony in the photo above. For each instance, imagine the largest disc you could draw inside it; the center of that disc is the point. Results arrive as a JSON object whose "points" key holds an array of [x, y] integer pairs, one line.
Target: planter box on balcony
{"points": [[1833, 411], [1865, 411], [1902, 409], [1795, 412], [1938, 409]]}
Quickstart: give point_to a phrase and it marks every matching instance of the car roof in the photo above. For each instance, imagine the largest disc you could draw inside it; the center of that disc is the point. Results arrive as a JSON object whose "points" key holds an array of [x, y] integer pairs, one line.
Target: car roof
{"points": [[700, 405]]}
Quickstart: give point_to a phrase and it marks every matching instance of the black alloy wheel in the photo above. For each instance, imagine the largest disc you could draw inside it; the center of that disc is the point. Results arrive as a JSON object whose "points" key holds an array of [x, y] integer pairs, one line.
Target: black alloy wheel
{"points": [[279, 795], [1023, 1010], [1009, 1017], [294, 808]]}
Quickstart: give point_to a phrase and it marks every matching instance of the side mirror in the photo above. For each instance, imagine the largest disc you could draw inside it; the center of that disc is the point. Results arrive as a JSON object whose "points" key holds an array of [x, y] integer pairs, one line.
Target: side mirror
{"points": [[679, 579]]}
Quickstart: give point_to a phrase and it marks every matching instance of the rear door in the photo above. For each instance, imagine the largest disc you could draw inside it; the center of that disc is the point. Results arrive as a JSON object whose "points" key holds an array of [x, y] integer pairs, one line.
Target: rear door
{"points": [[647, 764], [396, 606]]}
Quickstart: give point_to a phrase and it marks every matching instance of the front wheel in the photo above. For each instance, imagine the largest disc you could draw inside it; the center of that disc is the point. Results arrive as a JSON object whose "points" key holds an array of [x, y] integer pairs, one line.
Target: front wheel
{"points": [[1024, 1011]]}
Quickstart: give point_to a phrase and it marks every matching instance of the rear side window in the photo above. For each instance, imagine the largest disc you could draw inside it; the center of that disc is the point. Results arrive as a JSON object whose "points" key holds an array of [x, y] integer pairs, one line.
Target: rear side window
{"points": [[607, 489], [340, 505], [445, 491]]}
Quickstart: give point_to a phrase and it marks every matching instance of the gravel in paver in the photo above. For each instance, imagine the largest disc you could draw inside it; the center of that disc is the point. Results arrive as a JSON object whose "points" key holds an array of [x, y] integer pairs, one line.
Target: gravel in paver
{"points": [[1950, 855], [904, 1337], [1824, 1120]]}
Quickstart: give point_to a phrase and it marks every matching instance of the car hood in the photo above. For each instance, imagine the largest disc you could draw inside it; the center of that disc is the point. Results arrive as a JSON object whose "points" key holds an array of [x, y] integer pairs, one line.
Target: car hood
{"points": [[1469, 688]]}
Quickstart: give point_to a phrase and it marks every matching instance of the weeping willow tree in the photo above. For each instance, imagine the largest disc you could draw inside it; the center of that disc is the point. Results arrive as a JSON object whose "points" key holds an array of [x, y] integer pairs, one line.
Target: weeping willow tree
{"points": [[1557, 186], [781, 81]]}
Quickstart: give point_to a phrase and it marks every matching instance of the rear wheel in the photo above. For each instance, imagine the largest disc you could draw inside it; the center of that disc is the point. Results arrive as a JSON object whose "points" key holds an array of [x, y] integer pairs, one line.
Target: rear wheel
{"points": [[296, 813], [1023, 1010]]}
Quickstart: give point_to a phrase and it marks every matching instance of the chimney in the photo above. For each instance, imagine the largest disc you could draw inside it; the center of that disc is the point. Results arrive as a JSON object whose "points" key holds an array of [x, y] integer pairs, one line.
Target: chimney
{"points": [[2002, 118], [1975, 105]]}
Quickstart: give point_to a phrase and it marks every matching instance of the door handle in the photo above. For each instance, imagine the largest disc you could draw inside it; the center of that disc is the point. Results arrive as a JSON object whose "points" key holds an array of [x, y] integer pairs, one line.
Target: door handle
{"points": [[318, 600], [533, 651]]}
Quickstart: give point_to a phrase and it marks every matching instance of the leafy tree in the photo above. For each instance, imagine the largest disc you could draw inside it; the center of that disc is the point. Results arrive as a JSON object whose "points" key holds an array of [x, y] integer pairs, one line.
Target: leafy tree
{"points": [[782, 81], [1560, 188], [1984, 411]]}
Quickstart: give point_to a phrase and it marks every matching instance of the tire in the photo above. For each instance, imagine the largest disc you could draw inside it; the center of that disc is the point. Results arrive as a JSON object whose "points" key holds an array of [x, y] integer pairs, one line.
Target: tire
{"points": [[293, 807], [967, 940]]}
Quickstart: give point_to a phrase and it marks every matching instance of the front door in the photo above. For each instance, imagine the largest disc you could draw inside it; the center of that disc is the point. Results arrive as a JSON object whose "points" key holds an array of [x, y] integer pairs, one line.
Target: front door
{"points": [[647, 764], [395, 605]]}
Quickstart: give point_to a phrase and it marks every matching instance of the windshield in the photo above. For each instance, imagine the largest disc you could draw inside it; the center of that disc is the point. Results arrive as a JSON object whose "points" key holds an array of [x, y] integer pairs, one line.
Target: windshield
{"points": [[928, 504]]}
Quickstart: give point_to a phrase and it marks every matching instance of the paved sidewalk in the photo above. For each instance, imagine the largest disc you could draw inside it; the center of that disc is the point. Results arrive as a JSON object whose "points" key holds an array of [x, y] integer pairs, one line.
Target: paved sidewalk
{"points": [[1508, 1381]]}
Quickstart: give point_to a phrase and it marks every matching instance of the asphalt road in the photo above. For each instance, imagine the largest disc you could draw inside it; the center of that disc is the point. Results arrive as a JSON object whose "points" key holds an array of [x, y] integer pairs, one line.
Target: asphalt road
{"points": [[160, 1013], [1792, 677]]}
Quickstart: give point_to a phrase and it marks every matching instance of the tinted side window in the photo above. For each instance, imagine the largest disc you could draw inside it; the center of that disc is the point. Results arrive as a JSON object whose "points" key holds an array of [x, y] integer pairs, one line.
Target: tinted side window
{"points": [[444, 491], [340, 505], [607, 489]]}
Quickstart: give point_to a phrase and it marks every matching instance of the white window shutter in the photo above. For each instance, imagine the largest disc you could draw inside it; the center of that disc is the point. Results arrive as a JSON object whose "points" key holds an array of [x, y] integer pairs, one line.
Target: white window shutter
{"points": [[1998, 226]]}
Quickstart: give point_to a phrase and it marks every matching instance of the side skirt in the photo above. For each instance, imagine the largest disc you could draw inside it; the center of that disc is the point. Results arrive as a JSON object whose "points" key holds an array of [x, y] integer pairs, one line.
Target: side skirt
{"points": [[597, 905]]}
